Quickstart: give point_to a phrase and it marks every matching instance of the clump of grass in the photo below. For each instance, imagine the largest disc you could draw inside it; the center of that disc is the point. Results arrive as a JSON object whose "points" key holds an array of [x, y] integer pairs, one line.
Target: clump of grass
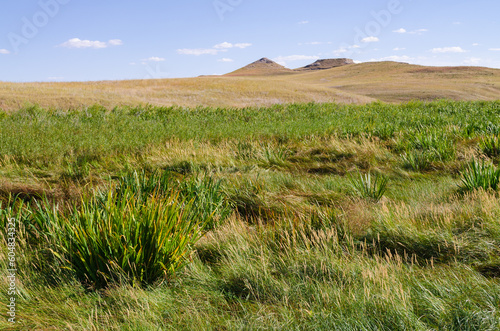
{"points": [[209, 199], [206, 193], [274, 155], [423, 147], [490, 146], [479, 176], [143, 184], [245, 151], [123, 238], [416, 161], [370, 186]]}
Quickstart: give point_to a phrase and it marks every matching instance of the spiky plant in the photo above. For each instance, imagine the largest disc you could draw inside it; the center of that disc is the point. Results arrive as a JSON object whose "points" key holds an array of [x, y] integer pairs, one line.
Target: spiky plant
{"points": [[479, 176], [369, 186]]}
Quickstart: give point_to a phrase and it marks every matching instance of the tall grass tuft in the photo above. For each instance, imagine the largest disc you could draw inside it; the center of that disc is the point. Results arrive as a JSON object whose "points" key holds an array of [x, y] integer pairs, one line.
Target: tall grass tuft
{"points": [[416, 160], [206, 193], [209, 199], [370, 186], [490, 146], [142, 184], [479, 176], [122, 238]]}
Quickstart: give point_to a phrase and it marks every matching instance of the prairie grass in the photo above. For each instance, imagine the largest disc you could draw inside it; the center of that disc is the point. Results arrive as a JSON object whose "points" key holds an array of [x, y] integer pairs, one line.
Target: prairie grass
{"points": [[223, 218]]}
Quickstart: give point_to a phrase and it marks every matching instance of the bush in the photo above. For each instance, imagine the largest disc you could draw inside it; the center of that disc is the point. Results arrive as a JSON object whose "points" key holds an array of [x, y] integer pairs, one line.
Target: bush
{"points": [[368, 188], [479, 175]]}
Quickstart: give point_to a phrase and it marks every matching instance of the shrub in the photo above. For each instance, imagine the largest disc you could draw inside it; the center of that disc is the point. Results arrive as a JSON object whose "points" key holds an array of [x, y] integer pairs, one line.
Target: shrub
{"points": [[368, 188], [479, 175]]}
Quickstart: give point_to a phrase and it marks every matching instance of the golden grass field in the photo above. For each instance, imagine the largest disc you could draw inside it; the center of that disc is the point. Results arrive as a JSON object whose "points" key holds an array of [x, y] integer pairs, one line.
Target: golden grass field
{"points": [[357, 83]]}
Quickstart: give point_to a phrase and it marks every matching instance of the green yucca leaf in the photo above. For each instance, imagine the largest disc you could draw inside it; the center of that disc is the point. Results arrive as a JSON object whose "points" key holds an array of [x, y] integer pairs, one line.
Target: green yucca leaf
{"points": [[479, 176], [370, 187]]}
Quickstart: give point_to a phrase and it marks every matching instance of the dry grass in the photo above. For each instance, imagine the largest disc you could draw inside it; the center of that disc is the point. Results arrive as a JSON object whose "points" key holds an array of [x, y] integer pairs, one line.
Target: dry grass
{"points": [[359, 84], [397, 82]]}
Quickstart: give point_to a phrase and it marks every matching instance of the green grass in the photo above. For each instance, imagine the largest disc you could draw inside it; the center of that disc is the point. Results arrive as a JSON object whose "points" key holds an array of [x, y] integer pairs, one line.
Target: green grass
{"points": [[480, 176], [215, 218]]}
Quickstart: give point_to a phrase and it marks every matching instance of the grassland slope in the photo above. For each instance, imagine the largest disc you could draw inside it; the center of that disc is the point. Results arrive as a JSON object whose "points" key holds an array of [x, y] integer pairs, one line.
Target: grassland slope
{"points": [[265, 83]]}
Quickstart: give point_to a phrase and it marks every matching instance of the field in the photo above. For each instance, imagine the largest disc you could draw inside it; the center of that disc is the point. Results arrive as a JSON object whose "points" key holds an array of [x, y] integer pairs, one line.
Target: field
{"points": [[297, 216], [363, 83]]}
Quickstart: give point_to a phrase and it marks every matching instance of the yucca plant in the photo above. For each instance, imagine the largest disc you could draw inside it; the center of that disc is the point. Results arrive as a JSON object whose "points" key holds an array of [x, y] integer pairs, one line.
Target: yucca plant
{"points": [[123, 238], [490, 146], [207, 196], [480, 175], [370, 186]]}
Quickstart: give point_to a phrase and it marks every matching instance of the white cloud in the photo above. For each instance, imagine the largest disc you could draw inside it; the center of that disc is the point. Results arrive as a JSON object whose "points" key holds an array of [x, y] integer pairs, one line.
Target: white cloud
{"points": [[475, 44], [340, 51], [357, 62], [345, 49], [473, 61], [494, 49], [226, 45], [154, 59], [317, 43], [55, 78], [403, 31], [370, 40], [448, 50], [399, 49], [283, 60], [115, 42], [242, 45], [225, 60], [222, 47], [396, 58], [4, 51], [457, 23], [304, 22], [199, 51], [78, 43]]}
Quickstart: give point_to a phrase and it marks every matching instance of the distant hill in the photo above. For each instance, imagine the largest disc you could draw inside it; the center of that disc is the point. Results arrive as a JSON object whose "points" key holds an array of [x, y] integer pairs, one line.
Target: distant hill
{"points": [[265, 82], [265, 66], [261, 67]]}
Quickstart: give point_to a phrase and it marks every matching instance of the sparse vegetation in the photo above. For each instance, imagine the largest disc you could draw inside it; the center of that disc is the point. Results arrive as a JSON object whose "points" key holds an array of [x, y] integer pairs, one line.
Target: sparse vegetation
{"points": [[254, 218]]}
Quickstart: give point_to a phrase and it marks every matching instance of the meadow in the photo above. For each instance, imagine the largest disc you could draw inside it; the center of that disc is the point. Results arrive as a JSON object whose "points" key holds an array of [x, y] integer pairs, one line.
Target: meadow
{"points": [[317, 216]]}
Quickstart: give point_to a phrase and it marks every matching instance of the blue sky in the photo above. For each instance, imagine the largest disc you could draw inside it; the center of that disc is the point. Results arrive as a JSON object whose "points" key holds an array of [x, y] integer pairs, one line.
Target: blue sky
{"points": [[76, 40]]}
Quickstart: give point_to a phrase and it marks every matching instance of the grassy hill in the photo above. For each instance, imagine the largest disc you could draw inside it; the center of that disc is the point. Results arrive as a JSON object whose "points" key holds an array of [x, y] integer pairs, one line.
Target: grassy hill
{"points": [[264, 85]]}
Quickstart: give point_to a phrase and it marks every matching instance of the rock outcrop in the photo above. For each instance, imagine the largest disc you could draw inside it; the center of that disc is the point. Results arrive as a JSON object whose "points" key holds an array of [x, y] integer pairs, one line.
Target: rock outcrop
{"points": [[326, 64]]}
